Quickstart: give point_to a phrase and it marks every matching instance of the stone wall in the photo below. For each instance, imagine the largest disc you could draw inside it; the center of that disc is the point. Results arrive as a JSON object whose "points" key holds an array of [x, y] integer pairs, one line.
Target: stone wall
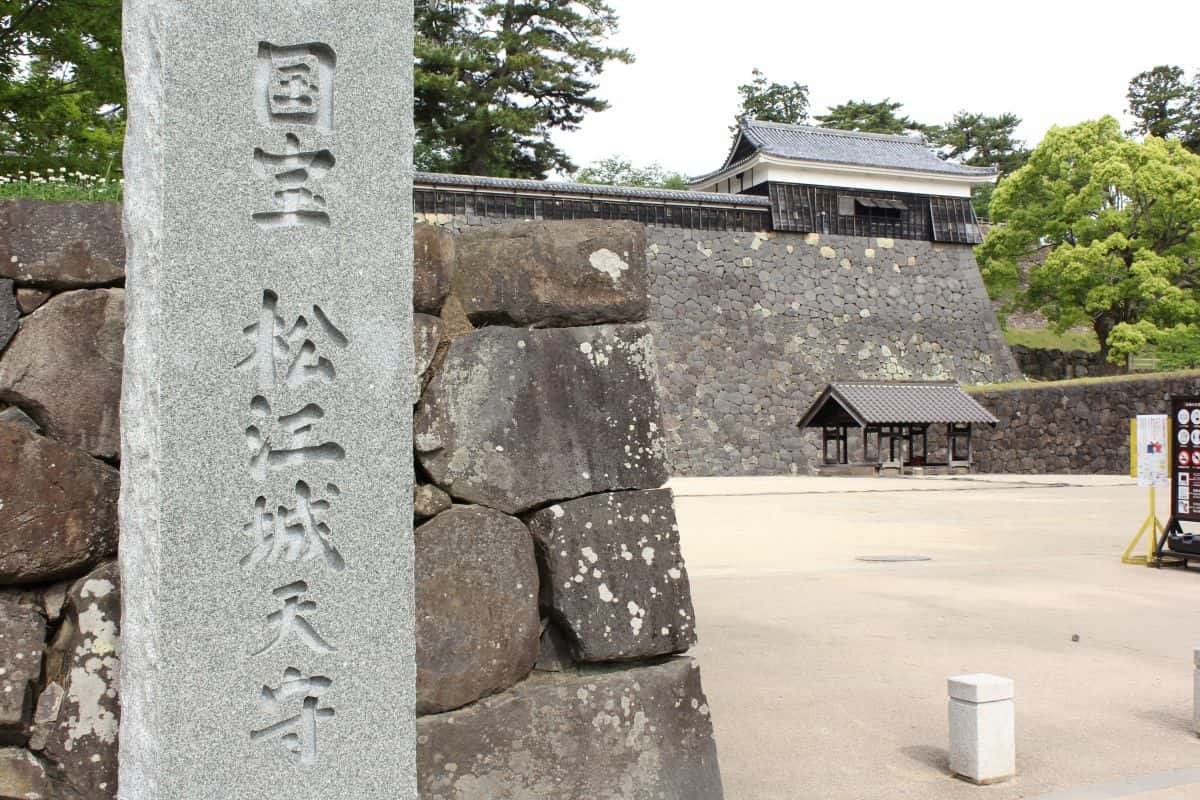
{"points": [[61, 326], [751, 326], [1059, 365], [553, 604], [1071, 427]]}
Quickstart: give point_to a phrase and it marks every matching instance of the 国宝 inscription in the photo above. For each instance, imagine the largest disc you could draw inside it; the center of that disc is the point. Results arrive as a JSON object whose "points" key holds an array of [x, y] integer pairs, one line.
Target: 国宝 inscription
{"points": [[267, 423]]}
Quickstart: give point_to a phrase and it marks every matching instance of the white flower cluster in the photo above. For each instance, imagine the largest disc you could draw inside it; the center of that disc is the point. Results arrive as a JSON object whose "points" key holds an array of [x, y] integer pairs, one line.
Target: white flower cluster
{"points": [[62, 176]]}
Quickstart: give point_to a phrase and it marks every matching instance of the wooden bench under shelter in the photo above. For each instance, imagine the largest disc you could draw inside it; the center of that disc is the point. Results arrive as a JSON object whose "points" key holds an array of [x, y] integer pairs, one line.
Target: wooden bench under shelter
{"points": [[893, 421]]}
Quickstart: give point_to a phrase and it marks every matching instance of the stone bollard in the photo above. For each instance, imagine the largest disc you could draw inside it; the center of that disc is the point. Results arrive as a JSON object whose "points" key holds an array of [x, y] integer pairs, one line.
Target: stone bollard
{"points": [[1196, 693], [982, 728]]}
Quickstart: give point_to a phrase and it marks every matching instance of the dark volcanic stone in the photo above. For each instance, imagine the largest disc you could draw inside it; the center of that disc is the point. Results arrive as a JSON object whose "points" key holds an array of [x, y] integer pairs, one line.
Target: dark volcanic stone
{"points": [[84, 660], [614, 578], [61, 245], [22, 776], [22, 637], [59, 511], [429, 501], [516, 418], [15, 416], [555, 655], [64, 368], [477, 616], [10, 313], [30, 300], [433, 267], [427, 335], [553, 273], [629, 734]]}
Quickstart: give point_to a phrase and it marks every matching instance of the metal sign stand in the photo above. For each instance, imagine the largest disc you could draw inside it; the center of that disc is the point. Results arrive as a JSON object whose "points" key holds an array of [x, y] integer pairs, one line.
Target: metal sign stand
{"points": [[1154, 528]]}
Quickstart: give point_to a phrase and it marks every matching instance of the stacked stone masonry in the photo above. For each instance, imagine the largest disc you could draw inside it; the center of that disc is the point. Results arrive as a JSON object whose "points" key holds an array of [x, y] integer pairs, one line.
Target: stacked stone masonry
{"points": [[1059, 365], [1071, 427], [61, 326], [750, 327], [553, 605]]}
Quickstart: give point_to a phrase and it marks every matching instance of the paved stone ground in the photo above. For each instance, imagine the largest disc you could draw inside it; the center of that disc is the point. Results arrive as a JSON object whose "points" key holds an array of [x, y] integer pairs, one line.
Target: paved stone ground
{"points": [[826, 676]]}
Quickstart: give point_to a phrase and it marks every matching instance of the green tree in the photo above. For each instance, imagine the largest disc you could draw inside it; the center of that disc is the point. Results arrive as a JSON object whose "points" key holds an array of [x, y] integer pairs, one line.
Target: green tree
{"points": [[982, 141], [620, 171], [62, 89], [773, 102], [495, 79], [1122, 219], [1166, 105], [866, 117]]}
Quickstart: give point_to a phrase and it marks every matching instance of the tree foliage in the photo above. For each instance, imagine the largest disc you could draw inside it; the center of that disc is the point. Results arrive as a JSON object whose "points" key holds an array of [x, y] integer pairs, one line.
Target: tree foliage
{"points": [[773, 102], [1165, 104], [62, 89], [1122, 221], [494, 80], [620, 171], [867, 117], [979, 140]]}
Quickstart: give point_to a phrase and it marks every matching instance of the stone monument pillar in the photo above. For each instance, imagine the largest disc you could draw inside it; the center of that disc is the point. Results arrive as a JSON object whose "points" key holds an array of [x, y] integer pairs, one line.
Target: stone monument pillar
{"points": [[266, 513]]}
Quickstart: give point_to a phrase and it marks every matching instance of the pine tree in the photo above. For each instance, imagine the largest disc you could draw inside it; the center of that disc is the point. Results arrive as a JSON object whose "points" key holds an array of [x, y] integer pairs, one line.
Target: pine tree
{"points": [[495, 80]]}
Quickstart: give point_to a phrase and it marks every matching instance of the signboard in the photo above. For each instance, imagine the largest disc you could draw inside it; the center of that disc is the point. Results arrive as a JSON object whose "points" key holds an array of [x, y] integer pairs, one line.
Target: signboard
{"points": [[1153, 451], [1185, 461]]}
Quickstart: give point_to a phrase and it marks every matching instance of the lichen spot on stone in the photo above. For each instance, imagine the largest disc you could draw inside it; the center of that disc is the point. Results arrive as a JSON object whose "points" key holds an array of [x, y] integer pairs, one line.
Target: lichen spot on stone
{"points": [[648, 555], [97, 588], [590, 555], [557, 511], [606, 595], [609, 263]]}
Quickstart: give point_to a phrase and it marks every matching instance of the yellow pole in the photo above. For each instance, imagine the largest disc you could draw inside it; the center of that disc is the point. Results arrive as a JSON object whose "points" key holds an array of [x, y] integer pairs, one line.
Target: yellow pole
{"points": [[1153, 538]]}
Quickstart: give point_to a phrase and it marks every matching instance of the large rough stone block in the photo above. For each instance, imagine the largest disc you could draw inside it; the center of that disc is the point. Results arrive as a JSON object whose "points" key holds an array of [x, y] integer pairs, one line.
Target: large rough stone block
{"points": [[22, 637], [22, 776], [58, 508], [614, 577], [433, 267], [605, 735], [84, 659], [10, 312], [477, 615], [516, 418], [553, 273], [61, 245], [64, 368]]}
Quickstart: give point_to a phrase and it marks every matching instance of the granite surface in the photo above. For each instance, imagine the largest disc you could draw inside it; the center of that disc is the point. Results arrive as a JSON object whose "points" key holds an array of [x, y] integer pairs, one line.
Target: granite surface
{"points": [[267, 486]]}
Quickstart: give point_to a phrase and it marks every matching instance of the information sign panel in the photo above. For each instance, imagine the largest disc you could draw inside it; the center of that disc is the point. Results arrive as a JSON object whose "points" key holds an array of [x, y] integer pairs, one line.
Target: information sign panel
{"points": [[1185, 459], [1153, 451]]}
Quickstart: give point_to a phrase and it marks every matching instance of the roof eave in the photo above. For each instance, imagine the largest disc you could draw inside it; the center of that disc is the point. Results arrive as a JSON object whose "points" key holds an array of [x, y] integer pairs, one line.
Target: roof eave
{"points": [[729, 170], [974, 179], [773, 159]]}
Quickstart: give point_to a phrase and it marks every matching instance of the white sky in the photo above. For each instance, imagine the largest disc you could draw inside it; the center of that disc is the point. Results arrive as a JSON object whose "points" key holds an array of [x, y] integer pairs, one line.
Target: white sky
{"points": [[1051, 62]]}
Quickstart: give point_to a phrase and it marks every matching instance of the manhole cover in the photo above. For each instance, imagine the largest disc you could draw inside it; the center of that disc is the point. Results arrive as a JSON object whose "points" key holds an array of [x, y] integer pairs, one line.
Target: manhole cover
{"points": [[893, 559]]}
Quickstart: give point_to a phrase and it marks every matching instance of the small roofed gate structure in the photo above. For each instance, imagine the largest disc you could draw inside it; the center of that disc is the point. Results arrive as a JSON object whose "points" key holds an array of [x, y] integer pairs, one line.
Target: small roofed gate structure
{"points": [[894, 420]]}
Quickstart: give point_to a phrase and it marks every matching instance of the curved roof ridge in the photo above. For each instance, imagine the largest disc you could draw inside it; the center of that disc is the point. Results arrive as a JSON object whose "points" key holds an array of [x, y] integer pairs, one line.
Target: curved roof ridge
{"points": [[897, 137]]}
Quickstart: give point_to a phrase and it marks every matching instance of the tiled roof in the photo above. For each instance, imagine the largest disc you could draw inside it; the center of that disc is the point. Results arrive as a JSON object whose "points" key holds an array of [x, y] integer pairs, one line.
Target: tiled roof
{"points": [[900, 402], [826, 145], [479, 183]]}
